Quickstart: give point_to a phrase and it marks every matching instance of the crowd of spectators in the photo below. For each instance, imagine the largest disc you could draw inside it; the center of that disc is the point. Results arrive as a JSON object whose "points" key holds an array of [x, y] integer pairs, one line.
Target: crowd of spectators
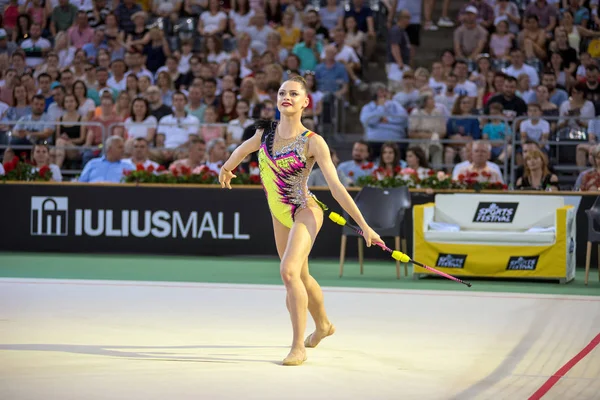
{"points": [[180, 83], [535, 61]]}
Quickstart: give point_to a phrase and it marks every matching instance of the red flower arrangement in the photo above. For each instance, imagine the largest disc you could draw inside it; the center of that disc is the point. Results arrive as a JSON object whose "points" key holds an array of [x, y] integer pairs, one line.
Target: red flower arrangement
{"points": [[17, 170], [185, 175]]}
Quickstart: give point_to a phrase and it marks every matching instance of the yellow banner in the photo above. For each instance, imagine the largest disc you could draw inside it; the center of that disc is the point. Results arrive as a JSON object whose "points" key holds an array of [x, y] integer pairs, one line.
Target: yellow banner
{"points": [[489, 260]]}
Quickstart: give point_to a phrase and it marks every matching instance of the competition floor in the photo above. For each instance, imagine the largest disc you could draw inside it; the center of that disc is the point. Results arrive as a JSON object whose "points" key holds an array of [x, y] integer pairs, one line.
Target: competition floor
{"points": [[100, 327]]}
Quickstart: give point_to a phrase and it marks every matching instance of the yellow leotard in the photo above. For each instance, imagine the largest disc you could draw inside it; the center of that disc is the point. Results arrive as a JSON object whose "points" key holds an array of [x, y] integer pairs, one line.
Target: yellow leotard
{"points": [[284, 172]]}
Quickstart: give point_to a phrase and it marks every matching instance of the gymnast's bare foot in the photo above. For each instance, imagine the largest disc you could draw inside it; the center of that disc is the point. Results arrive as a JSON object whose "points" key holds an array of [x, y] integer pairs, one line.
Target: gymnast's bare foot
{"points": [[297, 356], [319, 334]]}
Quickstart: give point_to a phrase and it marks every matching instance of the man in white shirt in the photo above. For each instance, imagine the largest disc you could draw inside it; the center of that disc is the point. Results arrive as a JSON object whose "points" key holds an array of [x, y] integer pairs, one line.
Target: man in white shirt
{"points": [[217, 154], [135, 62], [436, 81], [35, 46], [518, 67], [463, 85], [140, 154], [175, 130], [118, 80], [461, 167], [448, 96]]}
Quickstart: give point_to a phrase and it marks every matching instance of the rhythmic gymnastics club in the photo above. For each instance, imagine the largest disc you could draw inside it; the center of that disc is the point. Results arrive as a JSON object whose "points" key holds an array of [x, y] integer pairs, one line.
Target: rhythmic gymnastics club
{"points": [[396, 255]]}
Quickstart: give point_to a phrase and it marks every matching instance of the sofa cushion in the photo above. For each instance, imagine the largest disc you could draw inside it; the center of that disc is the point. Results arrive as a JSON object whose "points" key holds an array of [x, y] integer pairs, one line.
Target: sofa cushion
{"points": [[487, 237], [496, 212]]}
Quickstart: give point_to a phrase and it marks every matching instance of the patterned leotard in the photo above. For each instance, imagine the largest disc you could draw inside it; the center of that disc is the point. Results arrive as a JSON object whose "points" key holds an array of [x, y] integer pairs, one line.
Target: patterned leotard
{"points": [[284, 172]]}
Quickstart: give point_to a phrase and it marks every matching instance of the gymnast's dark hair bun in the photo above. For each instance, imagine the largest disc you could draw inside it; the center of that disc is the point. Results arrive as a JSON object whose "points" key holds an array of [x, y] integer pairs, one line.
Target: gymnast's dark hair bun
{"points": [[263, 124]]}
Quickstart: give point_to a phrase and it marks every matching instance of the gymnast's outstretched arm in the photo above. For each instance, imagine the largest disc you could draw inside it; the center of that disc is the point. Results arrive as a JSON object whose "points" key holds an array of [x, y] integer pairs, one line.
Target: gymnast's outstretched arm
{"points": [[317, 148], [239, 154]]}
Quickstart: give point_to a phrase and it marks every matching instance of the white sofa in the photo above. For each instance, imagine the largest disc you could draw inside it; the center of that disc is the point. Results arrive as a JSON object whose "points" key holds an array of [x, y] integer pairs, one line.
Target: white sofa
{"points": [[462, 210], [496, 235]]}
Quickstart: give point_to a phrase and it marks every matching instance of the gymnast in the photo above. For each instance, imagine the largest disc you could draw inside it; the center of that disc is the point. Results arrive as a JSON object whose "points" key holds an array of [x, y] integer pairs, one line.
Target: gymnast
{"points": [[287, 152]]}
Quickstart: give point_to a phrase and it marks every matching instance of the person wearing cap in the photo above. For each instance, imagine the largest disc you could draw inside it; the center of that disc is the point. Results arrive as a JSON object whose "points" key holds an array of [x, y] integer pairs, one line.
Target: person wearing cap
{"points": [[483, 11], [469, 38], [6, 47]]}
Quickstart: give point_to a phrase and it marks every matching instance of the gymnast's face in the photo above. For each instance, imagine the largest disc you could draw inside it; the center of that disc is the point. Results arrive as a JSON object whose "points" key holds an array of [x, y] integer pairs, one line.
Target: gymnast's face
{"points": [[291, 98]]}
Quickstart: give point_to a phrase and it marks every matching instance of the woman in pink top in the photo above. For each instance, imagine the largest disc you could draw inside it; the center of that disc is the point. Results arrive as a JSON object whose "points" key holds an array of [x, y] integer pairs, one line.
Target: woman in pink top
{"points": [[210, 132]]}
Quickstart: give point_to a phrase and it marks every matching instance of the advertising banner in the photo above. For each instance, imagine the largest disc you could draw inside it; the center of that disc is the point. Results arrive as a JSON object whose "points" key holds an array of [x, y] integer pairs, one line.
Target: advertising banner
{"points": [[181, 220]]}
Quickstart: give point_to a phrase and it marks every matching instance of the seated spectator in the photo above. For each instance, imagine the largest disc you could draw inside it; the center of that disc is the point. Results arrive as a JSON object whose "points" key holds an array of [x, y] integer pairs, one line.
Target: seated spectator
{"points": [[259, 31], [140, 124], [495, 131], [110, 167], [584, 150], [506, 10], [69, 136], [490, 165], [428, 123], [546, 14], [176, 130], [459, 127], [512, 105], [501, 41], [389, 160], [416, 159], [536, 175], [591, 180], [470, 38], [196, 156], [548, 108], [227, 110], [384, 120], [408, 95], [348, 57], [518, 67], [309, 50], [35, 127], [448, 98], [478, 169], [20, 104], [535, 128], [399, 50], [290, 35], [463, 84], [359, 165], [524, 89], [592, 162], [235, 128], [35, 46], [211, 128], [217, 154], [41, 158], [532, 39], [140, 154], [569, 54], [576, 106], [592, 83], [437, 82], [354, 37], [317, 179], [332, 75]]}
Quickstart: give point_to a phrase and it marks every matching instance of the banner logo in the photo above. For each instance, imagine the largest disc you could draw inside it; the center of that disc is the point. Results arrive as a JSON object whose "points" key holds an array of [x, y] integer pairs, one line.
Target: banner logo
{"points": [[522, 263], [49, 216], [495, 212], [451, 260]]}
